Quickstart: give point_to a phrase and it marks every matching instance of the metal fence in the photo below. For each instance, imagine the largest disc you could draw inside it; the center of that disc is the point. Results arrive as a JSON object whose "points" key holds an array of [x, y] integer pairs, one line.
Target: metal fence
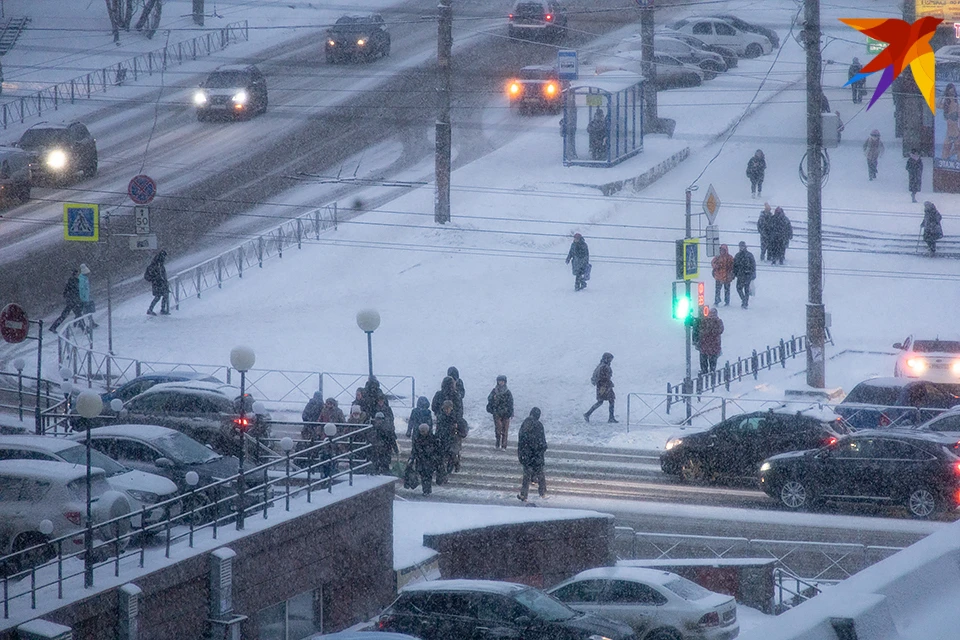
{"points": [[84, 87], [231, 264]]}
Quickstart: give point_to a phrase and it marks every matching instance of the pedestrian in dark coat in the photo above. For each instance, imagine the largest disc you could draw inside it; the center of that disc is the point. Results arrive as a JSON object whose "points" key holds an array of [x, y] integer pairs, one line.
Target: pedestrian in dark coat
{"points": [[824, 103], [383, 439], [603, 379], [914, 174], [781, 232], [420, 415], [579, 254], [859, 88], [531, 446], [756, 169], [448, 391], [873, 149], [932, 230], [454, 373], [744, 270], [156, 275], [331, 412], [763, 228], [500, 406], [722, 265], [371, 395], [448, 437], [711, 328], [71, 300], [425, 455], [383, 406], [597, 133], [311, 412]]}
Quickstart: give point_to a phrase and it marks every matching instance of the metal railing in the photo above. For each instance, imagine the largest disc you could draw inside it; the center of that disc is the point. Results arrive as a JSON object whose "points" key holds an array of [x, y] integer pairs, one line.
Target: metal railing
{"points": [[230, 264], [273, 485], [85, 86]]}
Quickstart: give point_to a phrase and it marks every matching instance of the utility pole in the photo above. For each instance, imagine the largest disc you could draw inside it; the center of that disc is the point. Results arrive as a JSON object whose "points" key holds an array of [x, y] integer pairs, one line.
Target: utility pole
{"points": [[687, 326], [816, 338], [441, 207], [649, 69]]}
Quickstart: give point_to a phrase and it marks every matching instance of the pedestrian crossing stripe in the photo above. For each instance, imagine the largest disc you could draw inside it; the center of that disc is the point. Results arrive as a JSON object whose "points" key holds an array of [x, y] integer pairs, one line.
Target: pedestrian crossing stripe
{"points": [[81, 222]]}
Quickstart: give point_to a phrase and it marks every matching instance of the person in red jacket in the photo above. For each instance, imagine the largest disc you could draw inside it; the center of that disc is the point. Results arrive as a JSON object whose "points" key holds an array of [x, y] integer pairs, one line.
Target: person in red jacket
{"points": [[711, 328], [723, 274]]}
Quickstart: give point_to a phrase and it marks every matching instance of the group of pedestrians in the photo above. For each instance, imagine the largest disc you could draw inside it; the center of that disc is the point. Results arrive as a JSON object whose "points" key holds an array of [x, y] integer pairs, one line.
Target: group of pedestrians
{"points": [[775, 234]]}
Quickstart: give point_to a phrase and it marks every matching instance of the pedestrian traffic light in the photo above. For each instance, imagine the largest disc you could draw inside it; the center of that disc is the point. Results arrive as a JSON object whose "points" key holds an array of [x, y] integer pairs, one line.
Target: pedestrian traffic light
{"points": [[682, 304], [700, 294]]}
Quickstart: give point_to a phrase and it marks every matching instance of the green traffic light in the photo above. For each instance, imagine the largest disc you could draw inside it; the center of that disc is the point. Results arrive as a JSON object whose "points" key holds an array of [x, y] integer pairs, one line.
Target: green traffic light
{"points": [[682, 308]]}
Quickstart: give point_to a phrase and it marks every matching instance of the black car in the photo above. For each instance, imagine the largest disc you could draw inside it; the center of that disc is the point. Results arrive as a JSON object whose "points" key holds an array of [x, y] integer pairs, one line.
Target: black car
{"points": [[536, 88], [234, 91], [60, 153], [734, 448], [358, 37], [896, 402], [138, 385], [920, 471], [730, 57], [743, 25], [545, 19], [455, 609]]}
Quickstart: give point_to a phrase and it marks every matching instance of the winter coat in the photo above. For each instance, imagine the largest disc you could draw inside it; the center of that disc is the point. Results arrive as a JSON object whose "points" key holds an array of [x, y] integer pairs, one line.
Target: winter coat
{"points": [[311, 412], [873, 148], [531, 442], [71, 291], [711, 327], [854, 69], [723, 266], [448, 391], [914, 174], [358, 418], [420, 415], [83, 288], [579, 254], [448, 435], [756, 167], [603, 375], [383, 439], [156, 275], [780, 228], [371, 394], [331, 414], [454, 373], [763, 223], [744, 266], [387, 414], [931, 224], [500, 402], [425, 452]]}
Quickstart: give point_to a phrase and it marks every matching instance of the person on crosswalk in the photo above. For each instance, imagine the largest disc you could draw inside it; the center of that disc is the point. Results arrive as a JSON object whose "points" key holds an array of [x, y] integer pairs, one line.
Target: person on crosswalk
{"points": [[603, 379], [531, 446]]}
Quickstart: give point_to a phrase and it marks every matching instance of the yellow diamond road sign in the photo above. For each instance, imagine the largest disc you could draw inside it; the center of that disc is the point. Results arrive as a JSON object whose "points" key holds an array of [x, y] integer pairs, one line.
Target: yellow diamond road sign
{"points": [[711, 204]]}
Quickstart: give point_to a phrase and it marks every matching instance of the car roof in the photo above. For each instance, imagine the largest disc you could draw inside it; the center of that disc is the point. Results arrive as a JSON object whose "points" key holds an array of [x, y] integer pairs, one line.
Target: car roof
{"points": [[184, 375], [905, 434], [485, 586], [145, 432], [45, 470], [38, 443], [638, 574], [201, 386], [887, 382]]}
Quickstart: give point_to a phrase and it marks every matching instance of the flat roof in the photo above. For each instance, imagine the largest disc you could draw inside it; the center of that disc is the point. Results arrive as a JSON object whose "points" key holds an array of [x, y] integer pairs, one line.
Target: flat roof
{"points": [[612, 81]]}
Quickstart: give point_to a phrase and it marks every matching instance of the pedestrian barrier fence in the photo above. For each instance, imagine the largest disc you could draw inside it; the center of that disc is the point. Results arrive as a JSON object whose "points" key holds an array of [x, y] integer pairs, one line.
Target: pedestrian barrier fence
{"points": [[85, 86], [42, 569], [231, 264]]}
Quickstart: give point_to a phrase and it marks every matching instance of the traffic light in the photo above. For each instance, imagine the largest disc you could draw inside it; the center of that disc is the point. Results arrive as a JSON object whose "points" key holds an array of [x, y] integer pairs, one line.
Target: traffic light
{"points": [[682, 304]]}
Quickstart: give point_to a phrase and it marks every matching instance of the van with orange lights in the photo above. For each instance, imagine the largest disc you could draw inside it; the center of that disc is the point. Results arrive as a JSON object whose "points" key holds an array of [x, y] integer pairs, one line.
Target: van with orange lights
{"points": [[536, 89]]}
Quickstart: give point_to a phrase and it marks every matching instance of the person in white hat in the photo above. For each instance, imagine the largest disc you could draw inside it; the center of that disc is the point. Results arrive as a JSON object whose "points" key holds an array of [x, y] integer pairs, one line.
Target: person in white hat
{"points": [[87, 304]]}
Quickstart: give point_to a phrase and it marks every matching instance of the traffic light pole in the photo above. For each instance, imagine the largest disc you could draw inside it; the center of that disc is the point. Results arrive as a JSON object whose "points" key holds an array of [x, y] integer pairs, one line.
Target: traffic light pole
{"points": [[687, 328], [816, 332], [441, 205]]}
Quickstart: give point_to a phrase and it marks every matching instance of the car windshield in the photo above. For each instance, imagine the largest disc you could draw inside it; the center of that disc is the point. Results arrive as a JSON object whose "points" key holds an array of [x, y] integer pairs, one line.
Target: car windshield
{"points": [[687, 589], [679, 24], [78, 455], [937, 346], [43, 137], [183, 449], [538, 74], [873, 394], [353, 24], [544, 606], [227, 79]]}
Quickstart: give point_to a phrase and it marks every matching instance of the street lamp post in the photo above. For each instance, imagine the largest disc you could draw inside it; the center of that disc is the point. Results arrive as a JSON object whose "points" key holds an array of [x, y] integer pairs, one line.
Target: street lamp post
{"points": [[242, 359], [19, 365], [89, 405], [368, 320]]}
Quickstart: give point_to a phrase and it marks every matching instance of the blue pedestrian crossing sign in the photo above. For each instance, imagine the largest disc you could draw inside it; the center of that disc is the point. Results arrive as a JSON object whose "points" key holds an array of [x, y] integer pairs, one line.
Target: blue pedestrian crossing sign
{"points": [[81, 222]]}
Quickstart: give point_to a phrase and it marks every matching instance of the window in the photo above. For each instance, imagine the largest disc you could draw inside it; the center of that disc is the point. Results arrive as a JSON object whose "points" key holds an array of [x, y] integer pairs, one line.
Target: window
{"points": [[10, 489], [702, 29], [33, 490], [452, 604], [871, 394], [948, 423], [149, 404], [580, 591], [895, 450], [293, 619], [724, 29], [21, 454], [849, 449], [543, 606], [497, 608], [624, 592], [137, 451], [687, 589]]}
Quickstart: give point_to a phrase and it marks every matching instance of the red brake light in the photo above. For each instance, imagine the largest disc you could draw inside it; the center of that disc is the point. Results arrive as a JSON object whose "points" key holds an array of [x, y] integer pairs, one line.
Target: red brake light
{"points": [[884, 420], [711, 619], [956, 468], [549, 17], [510, 16], [831, 441], [957, 497], [242, 423], [73, 516]]}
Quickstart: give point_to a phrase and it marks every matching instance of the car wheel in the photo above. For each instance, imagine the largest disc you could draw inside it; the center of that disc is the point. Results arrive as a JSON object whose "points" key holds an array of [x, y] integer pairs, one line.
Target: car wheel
{"points": [[201, 116], [91, 169], [692, 470], [711, 67], [33, 557], [754, 50], [794, 494], [923, 503], [23, 193]]}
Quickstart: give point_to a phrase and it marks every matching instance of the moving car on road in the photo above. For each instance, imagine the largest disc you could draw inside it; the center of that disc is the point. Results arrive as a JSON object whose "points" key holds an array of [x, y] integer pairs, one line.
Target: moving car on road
{"points": [[358, 37], [232, 91], [934, 359], [715, 31], [920, 471], [536, 88], [16, 175], [531, 19], [896, 402], [60, 153]]}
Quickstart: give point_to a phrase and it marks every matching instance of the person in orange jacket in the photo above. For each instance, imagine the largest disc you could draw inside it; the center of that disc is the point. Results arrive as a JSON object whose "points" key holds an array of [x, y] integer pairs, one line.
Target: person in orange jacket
{"points": [[723, 274]]}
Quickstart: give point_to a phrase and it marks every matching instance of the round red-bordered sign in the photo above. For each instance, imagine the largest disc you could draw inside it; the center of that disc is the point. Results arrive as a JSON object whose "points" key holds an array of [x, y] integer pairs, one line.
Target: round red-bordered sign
{"points": [[14, 323], [142, 189]]}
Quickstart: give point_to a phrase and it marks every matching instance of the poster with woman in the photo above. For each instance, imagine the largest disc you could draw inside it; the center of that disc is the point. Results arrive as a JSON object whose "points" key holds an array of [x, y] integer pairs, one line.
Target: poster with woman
{"points": [[946, 129]]}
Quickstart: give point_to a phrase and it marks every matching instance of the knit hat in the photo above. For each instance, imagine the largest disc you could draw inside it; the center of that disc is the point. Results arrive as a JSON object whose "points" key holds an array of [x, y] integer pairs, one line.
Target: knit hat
{"points": [[84, 269], [504, 378]]}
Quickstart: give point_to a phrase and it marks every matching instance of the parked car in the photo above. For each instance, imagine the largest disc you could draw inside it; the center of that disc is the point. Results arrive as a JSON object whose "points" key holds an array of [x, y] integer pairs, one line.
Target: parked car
{"points": [[363, 635], [743, 25], [447, 609], [671, 73], [714, 31], [920, 471], [658, 605], [60, 153], [32, 491], [141, 488], [205, 411], [536, 88], [358, 37], [947, 423], [935, 359], [537, 19], [233, 91], [730, 57], [16, 175], [734, 448], [896, 402], [711, 63]]}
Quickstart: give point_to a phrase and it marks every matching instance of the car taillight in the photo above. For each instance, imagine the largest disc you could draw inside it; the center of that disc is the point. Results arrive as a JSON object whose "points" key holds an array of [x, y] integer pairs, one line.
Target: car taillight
{"points": [[955, 367], [549, 17], [884, 420], [830, 441], [711, 619], [956, 498], [384, 623], [956, 468], [510, 16], [550, 89], [73, 516], [241, 423]]}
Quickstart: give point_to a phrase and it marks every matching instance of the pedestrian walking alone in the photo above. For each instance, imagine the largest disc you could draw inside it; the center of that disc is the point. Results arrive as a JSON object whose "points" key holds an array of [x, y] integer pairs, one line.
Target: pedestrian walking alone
{"points": [[873, 149], [914, 174], [425, 455], [858, 88], [756, 169], [71, 300], [531, 446], [87, 305], [579, 254], [500, 406], [156, 275], [781, 232], [722, 265], [744, 270], [603, 379], [710, 330], [932, 229], [420, 415], [597, 134], [763, 228]]}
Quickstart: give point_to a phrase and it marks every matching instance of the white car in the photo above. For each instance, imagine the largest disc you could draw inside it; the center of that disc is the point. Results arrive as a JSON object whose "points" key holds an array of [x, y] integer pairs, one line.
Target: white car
{"points": [[934, 359], [32, 491], [657, 604], [718, 32], [947, 422], [142, 489]]}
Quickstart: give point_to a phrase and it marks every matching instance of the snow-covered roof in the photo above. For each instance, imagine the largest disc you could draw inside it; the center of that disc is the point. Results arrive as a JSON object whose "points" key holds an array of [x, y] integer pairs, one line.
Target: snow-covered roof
{"points": [[638, 574], [45, 470], [40, 443], [145, 432], [612, 81], [486, 586], [217, 388]]}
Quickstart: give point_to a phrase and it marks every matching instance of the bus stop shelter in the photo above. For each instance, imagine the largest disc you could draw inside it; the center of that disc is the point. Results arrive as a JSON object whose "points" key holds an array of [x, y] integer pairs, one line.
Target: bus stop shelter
{"points": [[603, 119]]}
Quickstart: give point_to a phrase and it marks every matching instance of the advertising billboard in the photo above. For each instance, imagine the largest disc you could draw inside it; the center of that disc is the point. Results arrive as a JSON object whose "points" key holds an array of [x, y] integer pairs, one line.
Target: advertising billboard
{"points": [[949, 10], [946, 129]]}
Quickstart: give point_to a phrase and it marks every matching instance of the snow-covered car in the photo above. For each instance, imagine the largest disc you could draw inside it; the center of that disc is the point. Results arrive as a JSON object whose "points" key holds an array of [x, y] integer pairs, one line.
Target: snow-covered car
{"points": [[16, 175], [730, 57], [657, 604], [930, 359], [743, 25], [896, 402], [232, 91], [947, 422], [536, 88], [537, 19], [60, 152], [710, 63], [716, 31], [671, 73], [141, 488]]}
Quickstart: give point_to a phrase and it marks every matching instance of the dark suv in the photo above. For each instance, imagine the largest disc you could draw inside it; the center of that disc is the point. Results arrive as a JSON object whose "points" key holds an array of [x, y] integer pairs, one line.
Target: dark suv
{"points": [[449, 609], [734, 448], [537, 18], [537, 88], [896, 402], [363, 37], [60, 153], [232, 91]]}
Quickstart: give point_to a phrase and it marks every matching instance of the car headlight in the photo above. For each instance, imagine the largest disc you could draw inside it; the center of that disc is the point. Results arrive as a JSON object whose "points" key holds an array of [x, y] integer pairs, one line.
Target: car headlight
{"points": [[240, 97], [57, 159], [674, 442], [332, 43], [766, 466], [955, 367], [361, 42], [917, 364], [596, 636], [199, 98], [146, 497]]}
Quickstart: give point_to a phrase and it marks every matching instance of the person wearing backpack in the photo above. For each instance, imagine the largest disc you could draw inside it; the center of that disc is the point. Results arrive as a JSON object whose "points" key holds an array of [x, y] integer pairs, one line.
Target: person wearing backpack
{"points": [[156, 275], [603, 379], [500, 406]]}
